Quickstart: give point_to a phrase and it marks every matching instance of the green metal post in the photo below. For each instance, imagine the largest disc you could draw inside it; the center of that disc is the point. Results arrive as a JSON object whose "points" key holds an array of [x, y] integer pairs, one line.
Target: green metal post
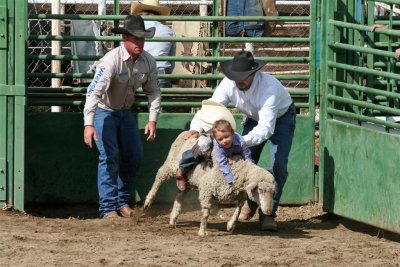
{"points": [[21, 37], [312, 85], [214, 46], [3, 101], [10, 105], [116, 22]]}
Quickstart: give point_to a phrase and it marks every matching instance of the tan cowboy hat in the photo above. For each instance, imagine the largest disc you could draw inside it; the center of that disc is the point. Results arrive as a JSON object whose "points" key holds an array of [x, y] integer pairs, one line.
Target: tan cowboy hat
{"points": [[134, 25], [150, 5], [212, 111], [241, 66]]}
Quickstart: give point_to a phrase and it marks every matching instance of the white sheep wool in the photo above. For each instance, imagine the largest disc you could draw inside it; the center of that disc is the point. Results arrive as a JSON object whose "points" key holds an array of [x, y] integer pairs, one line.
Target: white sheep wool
{"points": [[212, 111]]}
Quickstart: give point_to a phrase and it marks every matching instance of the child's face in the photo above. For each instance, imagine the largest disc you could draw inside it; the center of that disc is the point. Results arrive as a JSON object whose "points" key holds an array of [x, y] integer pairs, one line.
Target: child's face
{"points": [[224, 138]]}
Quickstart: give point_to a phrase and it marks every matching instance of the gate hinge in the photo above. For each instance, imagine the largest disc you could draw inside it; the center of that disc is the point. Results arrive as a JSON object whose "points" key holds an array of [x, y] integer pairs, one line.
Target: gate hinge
{"points": [[3, 27]]}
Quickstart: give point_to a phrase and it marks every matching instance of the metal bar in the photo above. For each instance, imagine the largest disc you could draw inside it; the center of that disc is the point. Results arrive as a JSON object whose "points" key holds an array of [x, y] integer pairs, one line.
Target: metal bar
{"points": [[362, 49], [162, 76], [365, 89], [176, 39], [162, 2], [46, 101], [393, 111], [363, 27], [363, 70], [183, 91], [360, 117], [123, 2], [174, 18], [170, 58]]}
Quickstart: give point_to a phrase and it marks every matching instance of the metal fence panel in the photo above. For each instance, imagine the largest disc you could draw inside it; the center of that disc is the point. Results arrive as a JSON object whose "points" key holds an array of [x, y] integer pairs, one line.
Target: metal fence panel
{"points": [[360, 112]]}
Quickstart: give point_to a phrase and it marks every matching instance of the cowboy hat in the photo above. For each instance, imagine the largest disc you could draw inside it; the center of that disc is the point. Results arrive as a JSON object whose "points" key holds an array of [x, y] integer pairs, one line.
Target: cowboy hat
{"points": [[212, 111], [150, 5], [134, 25], [241, 66]]}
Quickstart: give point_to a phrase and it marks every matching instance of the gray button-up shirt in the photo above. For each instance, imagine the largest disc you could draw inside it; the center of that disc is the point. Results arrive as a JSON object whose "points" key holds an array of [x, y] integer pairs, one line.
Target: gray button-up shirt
{"points": [[116, 80]]}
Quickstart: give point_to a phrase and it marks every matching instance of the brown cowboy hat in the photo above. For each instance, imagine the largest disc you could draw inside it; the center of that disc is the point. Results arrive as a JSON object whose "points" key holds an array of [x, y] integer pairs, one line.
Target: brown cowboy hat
{"points": [[241, 66], [150, 5], [134, 25]]}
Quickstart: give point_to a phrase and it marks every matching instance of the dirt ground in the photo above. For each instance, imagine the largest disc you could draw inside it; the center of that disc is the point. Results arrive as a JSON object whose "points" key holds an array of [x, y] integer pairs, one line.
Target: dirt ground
{"points": [[73, 236]]}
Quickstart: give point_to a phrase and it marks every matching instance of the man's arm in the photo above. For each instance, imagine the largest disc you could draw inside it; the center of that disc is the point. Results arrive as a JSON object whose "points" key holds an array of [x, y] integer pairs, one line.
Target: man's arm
{"points": [[153, 93], [95, 91]]}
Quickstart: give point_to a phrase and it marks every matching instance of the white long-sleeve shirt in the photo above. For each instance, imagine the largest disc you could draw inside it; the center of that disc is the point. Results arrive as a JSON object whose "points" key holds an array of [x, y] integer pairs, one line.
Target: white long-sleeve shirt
{"points": [[116, 79], [265, 101], [161, 48]]}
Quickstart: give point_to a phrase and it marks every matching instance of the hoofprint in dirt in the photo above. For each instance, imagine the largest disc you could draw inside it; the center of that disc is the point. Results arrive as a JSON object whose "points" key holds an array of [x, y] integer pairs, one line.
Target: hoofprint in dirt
{"points": [[306, 237]]}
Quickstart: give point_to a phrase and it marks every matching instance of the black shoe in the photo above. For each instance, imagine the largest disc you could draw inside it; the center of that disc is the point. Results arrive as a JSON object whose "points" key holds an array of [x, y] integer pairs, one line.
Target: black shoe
{"points": [[268, 223]]}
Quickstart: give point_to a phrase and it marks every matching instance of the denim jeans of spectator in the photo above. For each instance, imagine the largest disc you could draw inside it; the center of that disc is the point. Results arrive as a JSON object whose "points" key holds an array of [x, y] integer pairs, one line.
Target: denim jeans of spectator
{"points": [[280, 144], [164, 83], [121, 152], [244, 8]]}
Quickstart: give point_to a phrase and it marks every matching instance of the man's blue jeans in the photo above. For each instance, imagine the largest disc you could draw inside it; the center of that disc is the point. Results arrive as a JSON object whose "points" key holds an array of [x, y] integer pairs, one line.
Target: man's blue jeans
{"points": [[121, 152], [244, 8], [280, 144]]}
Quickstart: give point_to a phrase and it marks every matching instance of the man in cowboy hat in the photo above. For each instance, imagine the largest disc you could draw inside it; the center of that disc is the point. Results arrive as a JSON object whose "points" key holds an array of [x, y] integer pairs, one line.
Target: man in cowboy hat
{"points": [[152, 7], [108, 118], [270, 116]]}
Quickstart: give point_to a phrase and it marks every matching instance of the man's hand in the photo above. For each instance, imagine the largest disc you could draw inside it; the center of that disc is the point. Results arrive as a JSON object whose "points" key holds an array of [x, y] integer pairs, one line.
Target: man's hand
{"points": [[190, 134], [378, 26], [89, 134], [150, 129]]}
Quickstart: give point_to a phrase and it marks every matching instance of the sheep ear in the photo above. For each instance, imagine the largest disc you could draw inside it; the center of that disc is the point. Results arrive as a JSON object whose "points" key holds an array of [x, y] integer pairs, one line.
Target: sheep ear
{"points": [[251, 190]]}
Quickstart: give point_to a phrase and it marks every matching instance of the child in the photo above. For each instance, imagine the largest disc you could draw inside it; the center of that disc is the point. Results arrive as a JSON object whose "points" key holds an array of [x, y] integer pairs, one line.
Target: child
{"points": [[209, 113], [190, 158], [227, 143]]}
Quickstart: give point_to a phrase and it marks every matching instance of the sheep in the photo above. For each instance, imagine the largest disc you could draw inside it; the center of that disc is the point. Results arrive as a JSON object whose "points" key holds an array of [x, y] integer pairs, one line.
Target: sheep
{"points": [[250, 180]]}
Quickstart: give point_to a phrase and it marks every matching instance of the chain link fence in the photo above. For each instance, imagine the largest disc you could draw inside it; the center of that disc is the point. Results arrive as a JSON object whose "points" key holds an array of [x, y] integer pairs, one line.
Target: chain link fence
{"points": [[179, 8]]}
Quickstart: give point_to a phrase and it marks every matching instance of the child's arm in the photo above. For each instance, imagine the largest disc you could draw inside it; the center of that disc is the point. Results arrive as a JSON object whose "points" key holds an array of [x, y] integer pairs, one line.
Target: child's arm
{"points": [[223, 163], [245, 149]]}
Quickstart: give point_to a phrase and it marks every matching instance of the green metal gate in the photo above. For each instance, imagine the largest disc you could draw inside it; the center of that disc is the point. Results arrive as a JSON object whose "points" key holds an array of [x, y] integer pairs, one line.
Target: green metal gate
{"points": [[58, 168], [13, 39], [360, 139]]}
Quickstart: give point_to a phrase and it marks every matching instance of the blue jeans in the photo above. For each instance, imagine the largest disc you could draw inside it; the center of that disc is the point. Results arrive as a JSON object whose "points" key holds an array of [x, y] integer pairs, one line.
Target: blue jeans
{"points": [[188, 161], [280, 144], [164, 83], [244, 8], [121, 152]]}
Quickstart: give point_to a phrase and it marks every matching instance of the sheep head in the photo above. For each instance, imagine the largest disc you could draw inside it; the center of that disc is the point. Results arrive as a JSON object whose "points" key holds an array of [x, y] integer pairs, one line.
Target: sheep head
{"points": [[262, 193]]}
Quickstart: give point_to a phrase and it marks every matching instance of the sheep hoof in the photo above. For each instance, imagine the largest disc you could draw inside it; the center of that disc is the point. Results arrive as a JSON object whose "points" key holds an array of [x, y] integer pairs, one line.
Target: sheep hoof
{"points": [[230, 227], [172, 225], [202, 233]]}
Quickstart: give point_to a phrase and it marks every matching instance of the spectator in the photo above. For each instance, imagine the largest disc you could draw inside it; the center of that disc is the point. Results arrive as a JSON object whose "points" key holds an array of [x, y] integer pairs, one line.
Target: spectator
{"points": [[152, 7], [109, 120]]}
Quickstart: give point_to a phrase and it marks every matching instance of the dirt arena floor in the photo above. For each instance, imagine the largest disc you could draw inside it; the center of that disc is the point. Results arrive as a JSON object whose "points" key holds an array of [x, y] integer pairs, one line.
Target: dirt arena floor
{"points": [[73, 236]]}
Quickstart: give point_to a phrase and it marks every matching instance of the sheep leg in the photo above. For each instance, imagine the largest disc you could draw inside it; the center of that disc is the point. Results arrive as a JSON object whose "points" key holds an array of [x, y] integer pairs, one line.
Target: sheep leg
{"points": [[203, 223], [176, 208], [233, 220], [164, 174]]}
